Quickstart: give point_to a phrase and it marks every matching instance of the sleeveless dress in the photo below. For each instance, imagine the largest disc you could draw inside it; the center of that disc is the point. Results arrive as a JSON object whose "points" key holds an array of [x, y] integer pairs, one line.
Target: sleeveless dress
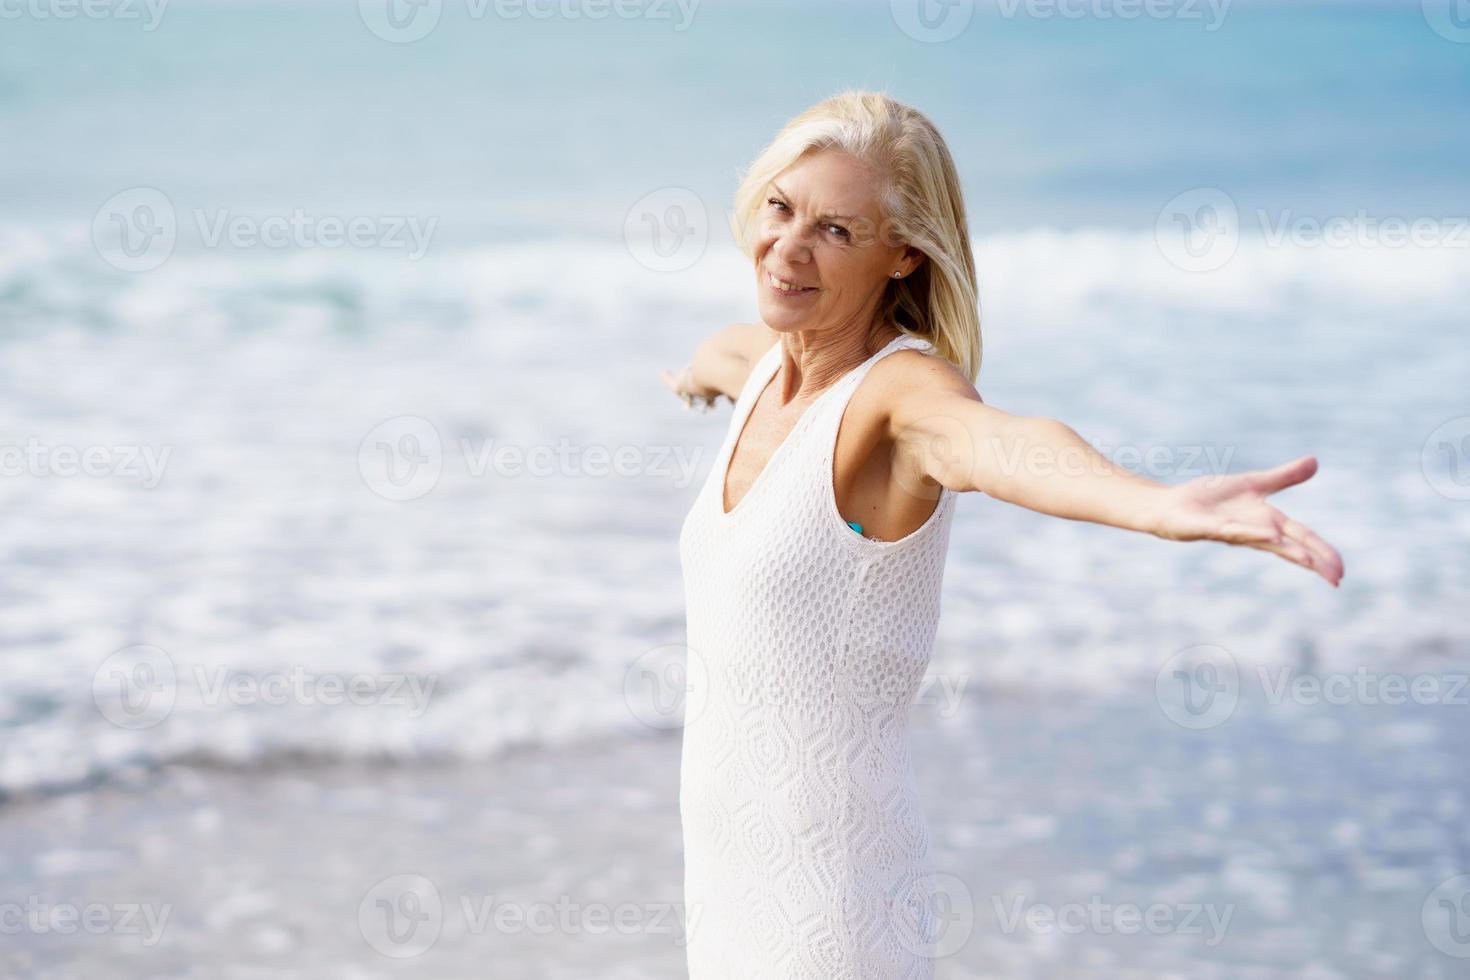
{"points": [[805, 846]]}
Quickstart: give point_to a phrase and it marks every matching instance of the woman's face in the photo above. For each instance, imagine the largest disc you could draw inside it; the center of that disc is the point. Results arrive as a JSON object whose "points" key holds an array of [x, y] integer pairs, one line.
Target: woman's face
{"points": [[819, 229]]}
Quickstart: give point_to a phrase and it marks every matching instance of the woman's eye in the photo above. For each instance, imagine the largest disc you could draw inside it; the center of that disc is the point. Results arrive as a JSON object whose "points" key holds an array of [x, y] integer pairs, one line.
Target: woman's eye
{"points": [[776, 203], [838, 230]]}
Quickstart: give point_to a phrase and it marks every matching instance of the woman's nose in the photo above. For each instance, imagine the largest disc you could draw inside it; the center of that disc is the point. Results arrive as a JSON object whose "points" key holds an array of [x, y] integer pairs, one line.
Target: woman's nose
{"points": [[791, 245]]}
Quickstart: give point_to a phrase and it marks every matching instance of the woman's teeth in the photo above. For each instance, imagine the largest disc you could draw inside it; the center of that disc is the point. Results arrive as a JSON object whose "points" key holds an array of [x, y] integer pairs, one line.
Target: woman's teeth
{"points": [[783, 286]]}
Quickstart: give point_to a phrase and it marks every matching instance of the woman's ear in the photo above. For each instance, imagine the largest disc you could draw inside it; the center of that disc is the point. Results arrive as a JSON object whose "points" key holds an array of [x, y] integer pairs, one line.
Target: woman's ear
{"points": [[912, 259]]}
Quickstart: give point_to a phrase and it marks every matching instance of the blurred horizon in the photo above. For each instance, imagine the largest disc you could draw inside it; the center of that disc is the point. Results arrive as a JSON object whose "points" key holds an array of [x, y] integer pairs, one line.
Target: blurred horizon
{"points": [[491, 126]]}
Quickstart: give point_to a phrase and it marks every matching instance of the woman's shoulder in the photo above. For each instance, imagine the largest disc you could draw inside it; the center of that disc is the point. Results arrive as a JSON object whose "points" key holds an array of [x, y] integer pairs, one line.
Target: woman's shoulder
{"points": [[758, 339], [906, 384], [917, 366]]}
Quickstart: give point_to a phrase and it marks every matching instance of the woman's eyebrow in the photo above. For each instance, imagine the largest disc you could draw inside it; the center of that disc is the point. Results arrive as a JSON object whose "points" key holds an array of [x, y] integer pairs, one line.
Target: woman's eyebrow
{"points": [[824, 215]]}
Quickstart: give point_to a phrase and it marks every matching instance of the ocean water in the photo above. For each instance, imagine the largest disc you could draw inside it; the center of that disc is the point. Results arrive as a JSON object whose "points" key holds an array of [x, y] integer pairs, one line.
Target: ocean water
{"points": [[437, 468]]}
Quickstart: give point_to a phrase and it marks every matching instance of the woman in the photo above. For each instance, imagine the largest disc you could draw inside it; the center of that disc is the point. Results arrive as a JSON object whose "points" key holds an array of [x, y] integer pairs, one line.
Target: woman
{"points": [[813, 554]]}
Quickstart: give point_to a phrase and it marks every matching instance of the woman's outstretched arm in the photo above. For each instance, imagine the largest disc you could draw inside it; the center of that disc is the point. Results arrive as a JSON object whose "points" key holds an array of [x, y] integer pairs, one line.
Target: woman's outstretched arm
{"points": [[944, 433], [722, 362]]}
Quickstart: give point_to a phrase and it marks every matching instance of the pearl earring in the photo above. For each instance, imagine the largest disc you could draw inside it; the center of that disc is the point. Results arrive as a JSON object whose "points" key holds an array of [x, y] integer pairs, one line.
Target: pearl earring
{"points": [[898, 275]]}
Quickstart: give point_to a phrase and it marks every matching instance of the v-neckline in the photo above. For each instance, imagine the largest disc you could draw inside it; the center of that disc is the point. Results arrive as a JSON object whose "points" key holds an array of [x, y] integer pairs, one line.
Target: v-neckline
{"points": [[786, 439]]}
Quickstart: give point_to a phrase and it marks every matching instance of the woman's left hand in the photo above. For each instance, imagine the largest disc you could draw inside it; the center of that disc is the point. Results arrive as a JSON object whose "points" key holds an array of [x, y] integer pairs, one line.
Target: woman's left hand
{"points": [[1233, 509]]}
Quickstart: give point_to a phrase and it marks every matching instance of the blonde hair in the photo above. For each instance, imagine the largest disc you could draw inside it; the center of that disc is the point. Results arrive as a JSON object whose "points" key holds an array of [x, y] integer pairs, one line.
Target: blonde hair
{"points": [[922, 204]]}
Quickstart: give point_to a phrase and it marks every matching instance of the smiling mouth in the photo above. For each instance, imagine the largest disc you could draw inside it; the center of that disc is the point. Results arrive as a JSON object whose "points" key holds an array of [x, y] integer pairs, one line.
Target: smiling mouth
{"points": [[790, 288]]}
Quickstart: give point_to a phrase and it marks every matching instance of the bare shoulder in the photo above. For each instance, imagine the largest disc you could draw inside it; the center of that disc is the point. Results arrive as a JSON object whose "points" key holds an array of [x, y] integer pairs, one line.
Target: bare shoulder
{"points": [[749, 341], [909, 375], [757, 338], [724, 359]]}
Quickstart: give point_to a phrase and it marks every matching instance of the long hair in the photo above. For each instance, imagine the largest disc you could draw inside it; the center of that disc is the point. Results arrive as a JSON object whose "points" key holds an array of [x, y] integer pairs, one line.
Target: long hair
{"points": [[922, 205]]}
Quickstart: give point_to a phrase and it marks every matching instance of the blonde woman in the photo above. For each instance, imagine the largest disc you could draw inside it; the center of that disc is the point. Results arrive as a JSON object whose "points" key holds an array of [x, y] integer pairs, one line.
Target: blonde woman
{"points": [[813, 554]]}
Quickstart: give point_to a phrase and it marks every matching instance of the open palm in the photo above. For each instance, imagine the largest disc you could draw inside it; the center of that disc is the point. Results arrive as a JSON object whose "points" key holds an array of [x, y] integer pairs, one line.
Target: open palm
{"points": [[1233, 509]]}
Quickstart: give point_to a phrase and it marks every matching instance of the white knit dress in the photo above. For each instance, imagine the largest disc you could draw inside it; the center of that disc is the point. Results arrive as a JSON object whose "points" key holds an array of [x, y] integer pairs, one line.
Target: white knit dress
{"points": [[805, 847]]}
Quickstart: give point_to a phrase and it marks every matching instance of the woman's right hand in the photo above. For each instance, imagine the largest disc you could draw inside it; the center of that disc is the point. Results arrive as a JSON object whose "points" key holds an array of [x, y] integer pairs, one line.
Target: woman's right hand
{"points": [[720, 365], [681, 383]]}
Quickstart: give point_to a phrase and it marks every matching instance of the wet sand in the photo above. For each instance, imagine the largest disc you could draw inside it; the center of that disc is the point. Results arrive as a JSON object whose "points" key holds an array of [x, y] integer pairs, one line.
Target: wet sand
{"points": [[1090, 839]]}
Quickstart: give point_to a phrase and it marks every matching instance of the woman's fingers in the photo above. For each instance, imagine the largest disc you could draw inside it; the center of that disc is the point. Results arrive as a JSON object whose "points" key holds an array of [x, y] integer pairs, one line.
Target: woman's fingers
{"points": [[1292, 552], [1237, 532], [1326, 558], [1286, 475]]}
